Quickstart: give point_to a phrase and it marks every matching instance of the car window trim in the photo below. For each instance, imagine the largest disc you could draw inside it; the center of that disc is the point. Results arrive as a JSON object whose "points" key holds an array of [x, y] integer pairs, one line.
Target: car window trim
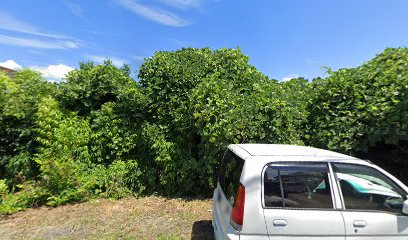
{"points": [[330, 176], [281, 188], [374, 211], [336, 188]]}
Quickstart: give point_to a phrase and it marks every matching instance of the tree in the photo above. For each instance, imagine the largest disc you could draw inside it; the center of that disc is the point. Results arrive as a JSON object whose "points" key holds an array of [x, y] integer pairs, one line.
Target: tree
{"points": [[112, 103], [20, 97], [203, 100], [86, 89]]}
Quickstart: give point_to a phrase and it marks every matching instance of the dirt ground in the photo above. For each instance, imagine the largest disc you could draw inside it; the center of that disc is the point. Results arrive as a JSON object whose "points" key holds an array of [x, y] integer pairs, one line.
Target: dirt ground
{"points": [[129, 218]]}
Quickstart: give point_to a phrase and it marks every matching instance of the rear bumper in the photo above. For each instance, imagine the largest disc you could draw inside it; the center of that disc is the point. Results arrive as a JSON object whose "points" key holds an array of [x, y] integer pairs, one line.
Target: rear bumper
{"points": [[216, 224], [231, 233]]}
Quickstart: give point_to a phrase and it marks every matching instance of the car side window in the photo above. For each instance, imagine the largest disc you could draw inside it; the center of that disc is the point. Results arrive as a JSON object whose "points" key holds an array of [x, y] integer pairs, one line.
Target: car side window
{"points": [[297, 186], [365, 188], [230, 173]]}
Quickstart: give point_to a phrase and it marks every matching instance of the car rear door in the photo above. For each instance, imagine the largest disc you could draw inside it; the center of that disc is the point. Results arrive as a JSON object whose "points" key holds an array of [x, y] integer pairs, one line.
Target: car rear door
{"points": [[299, 202], [372, 202]]}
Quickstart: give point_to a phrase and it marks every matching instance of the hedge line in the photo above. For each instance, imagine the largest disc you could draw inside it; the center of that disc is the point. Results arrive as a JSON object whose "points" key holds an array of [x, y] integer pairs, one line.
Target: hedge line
{"points": [[102, 133]]}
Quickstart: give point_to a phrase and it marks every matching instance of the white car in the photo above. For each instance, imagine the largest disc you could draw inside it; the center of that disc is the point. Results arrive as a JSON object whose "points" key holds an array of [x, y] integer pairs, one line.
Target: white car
{"points": [[269, 191]]}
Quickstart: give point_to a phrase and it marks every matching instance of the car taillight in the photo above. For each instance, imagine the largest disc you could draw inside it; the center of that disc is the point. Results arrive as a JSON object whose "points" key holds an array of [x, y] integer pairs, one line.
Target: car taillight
{"points": [[237, 214]]}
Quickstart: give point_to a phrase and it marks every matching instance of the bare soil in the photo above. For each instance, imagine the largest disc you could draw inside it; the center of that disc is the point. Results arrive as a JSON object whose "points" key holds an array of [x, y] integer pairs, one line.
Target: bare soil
{"points": [[129, 218]]}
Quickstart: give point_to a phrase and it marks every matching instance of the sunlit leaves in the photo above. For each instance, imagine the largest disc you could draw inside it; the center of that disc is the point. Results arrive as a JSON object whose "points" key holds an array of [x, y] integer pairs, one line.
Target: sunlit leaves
{"points": [[356, 108]]}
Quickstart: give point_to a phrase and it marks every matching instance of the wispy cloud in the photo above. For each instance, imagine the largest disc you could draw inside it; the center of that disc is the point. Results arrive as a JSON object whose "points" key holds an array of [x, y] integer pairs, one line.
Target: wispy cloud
{"points": [[39, 53], [289, 77], [180, 43], [100, 59], [138, 59], [10, 23], [34, 43], [37, 39], [77, 10], [184, 4], [11, 64], [53, 73], [311, 61], [154, 14]]}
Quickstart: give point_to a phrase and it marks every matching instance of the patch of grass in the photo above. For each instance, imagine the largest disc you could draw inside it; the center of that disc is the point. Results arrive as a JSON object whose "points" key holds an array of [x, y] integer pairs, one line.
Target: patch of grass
{"points": [[169, 237], [128, 218]]}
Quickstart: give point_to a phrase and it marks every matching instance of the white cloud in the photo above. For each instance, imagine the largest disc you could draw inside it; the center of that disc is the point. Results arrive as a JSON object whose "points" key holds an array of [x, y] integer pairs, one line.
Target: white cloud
{"points": [[289, 77], [53, 73], [184, 4], [48, 40], [118, 62], [35, 43], [156, 15], [11, 64]]}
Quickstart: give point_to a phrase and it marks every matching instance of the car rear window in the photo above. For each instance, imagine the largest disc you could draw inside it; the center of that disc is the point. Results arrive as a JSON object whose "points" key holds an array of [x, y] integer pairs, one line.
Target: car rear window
{"points": [[297, 186], [230, 173]]}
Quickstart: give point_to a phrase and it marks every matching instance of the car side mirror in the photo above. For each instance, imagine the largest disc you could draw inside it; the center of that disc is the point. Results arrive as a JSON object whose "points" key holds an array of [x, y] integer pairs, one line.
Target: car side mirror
{"points": [[405, 207]]}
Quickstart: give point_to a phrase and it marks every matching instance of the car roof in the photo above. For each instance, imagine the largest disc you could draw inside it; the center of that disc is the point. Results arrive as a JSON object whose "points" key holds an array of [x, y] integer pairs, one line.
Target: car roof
{"points": [[246, 150]]}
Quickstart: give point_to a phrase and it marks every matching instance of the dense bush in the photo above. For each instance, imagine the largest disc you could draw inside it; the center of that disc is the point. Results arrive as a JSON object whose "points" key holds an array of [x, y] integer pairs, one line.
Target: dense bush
{"points": [[354, 109], [101, 133], [361, 110], [19, 99], [203, 100]]}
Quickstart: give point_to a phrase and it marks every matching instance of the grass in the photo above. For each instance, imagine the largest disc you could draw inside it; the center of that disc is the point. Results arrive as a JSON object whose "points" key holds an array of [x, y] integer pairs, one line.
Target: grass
{"points": [[129, 218]]}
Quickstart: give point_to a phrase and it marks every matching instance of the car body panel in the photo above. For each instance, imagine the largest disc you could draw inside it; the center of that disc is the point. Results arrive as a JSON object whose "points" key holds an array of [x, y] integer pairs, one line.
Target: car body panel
{"points": [[362, 225], [314, 224], [221, 214]]}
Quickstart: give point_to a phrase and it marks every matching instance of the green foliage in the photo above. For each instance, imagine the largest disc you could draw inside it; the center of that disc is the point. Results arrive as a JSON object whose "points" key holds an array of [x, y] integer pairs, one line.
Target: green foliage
{"points": [[30, 194], [3, 188], [115, 134], [103, 134], [293, 110], [200, 101], [64, 150], [89, 87], [19, 98], [168, 78], [10, 204], [204, 100], [354, 109], [113, 105], [120, 178]]}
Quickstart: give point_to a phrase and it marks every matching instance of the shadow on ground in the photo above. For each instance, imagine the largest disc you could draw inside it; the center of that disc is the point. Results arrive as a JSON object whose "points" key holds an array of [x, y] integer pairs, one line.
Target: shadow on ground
{"points": [[202, 230]]}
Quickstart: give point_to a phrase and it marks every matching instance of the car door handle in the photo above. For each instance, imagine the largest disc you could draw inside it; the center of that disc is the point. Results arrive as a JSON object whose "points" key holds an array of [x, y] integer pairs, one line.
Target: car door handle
{"points": [[280, 223], [360, 224]]}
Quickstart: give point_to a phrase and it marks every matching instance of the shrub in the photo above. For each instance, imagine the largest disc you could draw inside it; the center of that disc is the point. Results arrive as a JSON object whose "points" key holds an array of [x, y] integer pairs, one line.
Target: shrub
{"points": [[30, 194], [3, 188]]}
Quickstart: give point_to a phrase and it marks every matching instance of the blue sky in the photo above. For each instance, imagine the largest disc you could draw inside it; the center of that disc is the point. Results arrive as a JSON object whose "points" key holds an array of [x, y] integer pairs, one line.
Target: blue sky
{"points": [[283, 38]]}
